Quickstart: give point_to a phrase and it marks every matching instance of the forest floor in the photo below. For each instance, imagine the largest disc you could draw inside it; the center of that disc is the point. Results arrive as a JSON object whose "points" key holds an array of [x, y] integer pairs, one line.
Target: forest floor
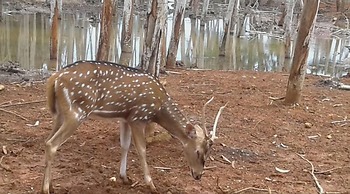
{"points": [[257, 135], [264, 140]]}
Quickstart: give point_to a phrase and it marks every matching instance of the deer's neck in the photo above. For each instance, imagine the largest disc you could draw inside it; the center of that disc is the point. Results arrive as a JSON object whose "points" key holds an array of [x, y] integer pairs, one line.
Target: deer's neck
{"points": [[171, 119]]}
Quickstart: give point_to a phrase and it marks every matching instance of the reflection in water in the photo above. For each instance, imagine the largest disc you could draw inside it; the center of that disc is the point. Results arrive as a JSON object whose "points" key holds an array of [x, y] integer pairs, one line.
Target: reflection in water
{"points": [[25, 38]]}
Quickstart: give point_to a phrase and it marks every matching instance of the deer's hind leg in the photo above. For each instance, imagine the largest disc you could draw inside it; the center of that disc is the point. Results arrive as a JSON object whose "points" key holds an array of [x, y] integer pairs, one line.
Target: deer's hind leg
{"points": [[125, 139], [59, 135]]}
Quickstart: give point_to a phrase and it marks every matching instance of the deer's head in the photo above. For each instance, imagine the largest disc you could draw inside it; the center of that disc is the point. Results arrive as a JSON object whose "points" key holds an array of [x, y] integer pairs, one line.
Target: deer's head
{"points": [[197, 148]]}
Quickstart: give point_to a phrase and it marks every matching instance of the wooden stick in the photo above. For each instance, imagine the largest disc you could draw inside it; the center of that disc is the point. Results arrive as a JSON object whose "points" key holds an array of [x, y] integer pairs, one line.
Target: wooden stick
{"points": [[254, 189], [318, 185], [330, 170], [2, 166], [10, 112], [22, 103]]}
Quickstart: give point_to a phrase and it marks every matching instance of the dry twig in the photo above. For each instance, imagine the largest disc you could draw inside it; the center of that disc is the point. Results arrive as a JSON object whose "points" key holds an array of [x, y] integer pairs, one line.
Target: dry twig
{"points": [[330, 170], [242, 190], [22, 103], [276, 98], [16, 114], [318, 185], [254, 189], [3, 166]]}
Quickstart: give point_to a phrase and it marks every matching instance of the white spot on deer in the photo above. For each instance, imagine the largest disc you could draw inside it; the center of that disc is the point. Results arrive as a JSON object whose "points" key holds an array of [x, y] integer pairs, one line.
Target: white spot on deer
{"points": [[81, 75], [95, 71], [88, 73]]}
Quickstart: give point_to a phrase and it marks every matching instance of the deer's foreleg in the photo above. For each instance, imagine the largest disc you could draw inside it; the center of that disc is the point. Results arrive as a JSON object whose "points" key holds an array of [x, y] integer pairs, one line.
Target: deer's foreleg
{"points": [[125, 139], [138, 134]]}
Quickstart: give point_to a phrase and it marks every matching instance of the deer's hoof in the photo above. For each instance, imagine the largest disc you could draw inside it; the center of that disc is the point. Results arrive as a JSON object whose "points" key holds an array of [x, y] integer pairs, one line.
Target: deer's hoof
{"points": [[126, 180], [48, 191]]}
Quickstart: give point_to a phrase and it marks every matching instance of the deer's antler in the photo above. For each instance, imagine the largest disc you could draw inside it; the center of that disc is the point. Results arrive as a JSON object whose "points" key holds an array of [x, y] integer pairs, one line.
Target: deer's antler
{"points": [[205, 131], [213, 136]]}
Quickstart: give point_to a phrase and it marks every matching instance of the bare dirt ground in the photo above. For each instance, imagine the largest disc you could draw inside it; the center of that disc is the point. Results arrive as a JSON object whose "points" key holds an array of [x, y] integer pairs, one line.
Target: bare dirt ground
{"points": [[255, 133]]}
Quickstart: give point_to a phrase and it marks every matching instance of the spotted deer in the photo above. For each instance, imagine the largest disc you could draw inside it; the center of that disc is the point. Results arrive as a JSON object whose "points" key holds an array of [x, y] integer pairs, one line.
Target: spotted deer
{"points": [[136, 98]]}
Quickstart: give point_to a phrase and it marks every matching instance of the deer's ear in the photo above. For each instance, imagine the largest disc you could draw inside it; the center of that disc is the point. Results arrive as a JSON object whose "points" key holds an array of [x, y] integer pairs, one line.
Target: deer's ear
{"points": [[191, 131]]}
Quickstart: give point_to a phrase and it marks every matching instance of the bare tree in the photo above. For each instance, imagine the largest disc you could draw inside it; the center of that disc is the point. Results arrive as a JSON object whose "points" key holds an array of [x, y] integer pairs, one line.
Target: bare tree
{"points": [[175, 36], [1, 2], [194, 4], [227, 26], [54, 33], [150, 34], [288, 28], [205, 9], [53, 5], [163, 13], [339, 5], [126, 38], [298, 69], [106, 26]]}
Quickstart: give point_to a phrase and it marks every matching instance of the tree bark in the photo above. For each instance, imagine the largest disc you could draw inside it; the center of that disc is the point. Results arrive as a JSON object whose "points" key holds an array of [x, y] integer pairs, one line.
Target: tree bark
{"points": [[205, 9], [163, 13], [288, 28], [284, 13], [150, 34], [175, 36], [126, 38], [298, 69], [105, 29], [227, 27], [1, 2], [54, 34]]}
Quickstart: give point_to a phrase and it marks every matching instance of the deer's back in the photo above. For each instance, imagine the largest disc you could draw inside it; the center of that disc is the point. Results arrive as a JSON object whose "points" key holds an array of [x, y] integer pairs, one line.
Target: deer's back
{"points": [[108, 90]]}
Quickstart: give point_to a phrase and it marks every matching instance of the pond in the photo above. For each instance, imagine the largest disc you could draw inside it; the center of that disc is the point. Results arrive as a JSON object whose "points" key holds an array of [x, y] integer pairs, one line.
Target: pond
{"points": [[25, 39]]}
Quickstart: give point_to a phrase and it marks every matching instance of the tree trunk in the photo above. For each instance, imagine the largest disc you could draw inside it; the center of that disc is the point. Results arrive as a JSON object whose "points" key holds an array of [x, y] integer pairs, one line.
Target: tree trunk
{"points": [[1, 1], [338, 3], [126, 38], [175, 36], [54, 34], [227, 27], [298, 69], [204, 9], [105, 29], [288, 28], [284, 13], [163, 13], [150, 34], [53, 5], [195, 8]]}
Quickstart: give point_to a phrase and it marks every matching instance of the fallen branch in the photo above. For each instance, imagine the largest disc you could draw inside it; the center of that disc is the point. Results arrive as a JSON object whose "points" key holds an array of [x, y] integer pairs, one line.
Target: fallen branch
{"points": [[3, 166], [10, 112], [22, 103], [162, 168], [330, 170], [242, 190], [342, 121], [209, 167], [254, 189], [318, 185], [276, 98]]}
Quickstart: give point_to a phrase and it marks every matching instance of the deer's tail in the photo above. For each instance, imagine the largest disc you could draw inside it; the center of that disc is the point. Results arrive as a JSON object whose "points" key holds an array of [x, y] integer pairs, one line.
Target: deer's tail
{"points": [[51, 93]]}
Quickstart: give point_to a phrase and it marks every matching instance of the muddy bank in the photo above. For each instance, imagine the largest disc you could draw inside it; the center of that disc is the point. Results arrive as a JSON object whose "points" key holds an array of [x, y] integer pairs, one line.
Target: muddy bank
{"points": [[11, 72]]}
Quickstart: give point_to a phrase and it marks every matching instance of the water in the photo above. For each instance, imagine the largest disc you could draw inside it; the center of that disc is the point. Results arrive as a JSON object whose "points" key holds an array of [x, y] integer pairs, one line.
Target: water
{"points": [[25, 39]]}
